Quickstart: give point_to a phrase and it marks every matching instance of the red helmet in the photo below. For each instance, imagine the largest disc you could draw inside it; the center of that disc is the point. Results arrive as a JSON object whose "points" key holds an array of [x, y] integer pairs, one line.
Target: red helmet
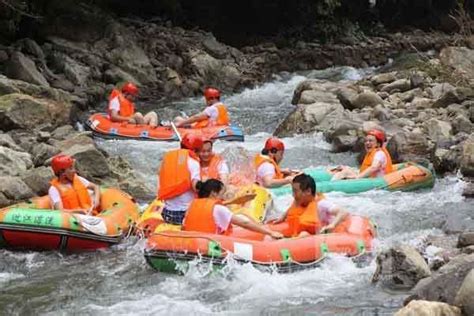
{"points": [[192, 142], [212, 93], [274, 143], [61, 162], [130, 88], [378, 134]]}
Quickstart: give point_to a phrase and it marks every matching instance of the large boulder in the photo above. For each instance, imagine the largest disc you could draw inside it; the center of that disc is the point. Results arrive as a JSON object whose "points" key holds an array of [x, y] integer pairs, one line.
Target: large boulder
{"points": [[38, 179], [444, 284], [465, 296], [438, 130], [425, 308], [7, 141], [346, 95], [410, 146], [457, 95], [399, 85], [461, 59], [14, 189], [90, 162], [366, 99], [383, 78], [23, 68], [42, 152], [316, 116], [14, 163], [467, 158], [466, 239], [401, 267], [26, 112]]}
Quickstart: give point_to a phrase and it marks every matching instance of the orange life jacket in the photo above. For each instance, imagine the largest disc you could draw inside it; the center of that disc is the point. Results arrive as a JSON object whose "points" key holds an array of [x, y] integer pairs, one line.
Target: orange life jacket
{"points": [[74, 197], [304, 218], [369, 158], [200, 217], [174, 175], [259, 159], [222, 117], [127, 108], [212, 170]]}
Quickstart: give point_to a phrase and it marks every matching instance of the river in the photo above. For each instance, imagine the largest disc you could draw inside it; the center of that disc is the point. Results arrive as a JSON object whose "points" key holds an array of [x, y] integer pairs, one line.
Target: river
{"points": [[118, 281]]}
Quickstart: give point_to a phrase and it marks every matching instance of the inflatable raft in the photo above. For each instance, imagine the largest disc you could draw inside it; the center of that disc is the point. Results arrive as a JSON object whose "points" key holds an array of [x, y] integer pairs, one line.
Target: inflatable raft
{"points": [[35, 226], [101, 126], [171, 250], [407, 177], [256, 209]]}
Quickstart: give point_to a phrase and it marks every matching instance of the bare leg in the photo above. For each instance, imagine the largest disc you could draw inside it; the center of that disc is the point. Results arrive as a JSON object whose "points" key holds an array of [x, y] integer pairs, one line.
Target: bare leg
{"points": [[345, 173], [151, 118], [138, 117]]}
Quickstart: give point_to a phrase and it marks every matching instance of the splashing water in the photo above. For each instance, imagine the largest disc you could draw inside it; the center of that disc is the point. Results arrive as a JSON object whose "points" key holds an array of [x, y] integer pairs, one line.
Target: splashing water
{"points": [[117, 281]]}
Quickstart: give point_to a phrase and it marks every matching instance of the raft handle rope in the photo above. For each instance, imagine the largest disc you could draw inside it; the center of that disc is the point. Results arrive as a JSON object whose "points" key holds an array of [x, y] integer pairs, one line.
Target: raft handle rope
{"points": [[290, 260]]}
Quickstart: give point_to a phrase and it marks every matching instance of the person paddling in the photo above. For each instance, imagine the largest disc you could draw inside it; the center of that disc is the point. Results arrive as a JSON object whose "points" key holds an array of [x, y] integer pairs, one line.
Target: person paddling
{"points": [[377, 161], [69, 191], [269, 173], [310, 213], [208, 213], [178, 175], [214, 114]]}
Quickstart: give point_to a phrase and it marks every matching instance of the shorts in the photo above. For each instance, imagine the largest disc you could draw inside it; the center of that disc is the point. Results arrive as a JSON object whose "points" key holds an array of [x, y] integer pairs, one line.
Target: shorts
{"points": [[173, 217]]}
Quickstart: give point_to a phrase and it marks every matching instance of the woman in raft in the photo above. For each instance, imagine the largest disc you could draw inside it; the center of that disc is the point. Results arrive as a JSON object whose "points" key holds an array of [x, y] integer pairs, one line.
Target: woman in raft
{"points": [[209, 214], [377, 161]]}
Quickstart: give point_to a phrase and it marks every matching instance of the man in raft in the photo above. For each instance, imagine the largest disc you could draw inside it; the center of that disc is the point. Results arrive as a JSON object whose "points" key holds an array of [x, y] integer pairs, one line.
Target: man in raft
{"points": [[122, 109], [69, 191], [310, 213], [269, 173], [213, 166], [214, 114], [208, 213], [377, 161], [178, 175]]}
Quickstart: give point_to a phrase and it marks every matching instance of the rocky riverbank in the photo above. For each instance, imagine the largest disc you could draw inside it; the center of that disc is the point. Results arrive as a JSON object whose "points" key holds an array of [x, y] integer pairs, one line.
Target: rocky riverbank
{"points": [[427, 111]]}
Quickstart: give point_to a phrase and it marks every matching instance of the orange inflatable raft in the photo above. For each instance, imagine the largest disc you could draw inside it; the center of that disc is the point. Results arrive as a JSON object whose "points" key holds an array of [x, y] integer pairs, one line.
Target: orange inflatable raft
{"points": [[101, 126], [170, 250], [36, 226]]}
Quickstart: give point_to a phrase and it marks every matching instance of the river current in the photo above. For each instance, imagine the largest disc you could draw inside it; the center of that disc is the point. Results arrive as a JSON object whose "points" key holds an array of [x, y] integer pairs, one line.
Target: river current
{"points": [[118, 281]]}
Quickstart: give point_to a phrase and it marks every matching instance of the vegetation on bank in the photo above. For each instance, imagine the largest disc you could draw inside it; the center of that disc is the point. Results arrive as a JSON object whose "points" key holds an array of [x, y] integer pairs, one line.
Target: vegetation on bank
{"points": [[246, 22]]}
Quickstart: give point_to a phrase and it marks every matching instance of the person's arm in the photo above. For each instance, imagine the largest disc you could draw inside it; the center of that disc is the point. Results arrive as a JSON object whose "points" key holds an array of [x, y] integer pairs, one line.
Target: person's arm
{"points": [[195, 118], [339, 215], [270, 182], [376, 166], [245, 222], [224, 172], [94, 187], [195, 171]]}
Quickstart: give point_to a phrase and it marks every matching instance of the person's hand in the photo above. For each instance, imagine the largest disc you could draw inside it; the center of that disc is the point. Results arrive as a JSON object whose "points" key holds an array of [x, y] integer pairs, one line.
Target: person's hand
{"points": [[132, 120], [277, 220], [326, 229], [276, 235]]}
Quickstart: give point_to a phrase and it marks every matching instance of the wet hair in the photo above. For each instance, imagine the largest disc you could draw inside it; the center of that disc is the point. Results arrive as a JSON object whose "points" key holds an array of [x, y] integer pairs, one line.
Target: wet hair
{"points": [[207, 187], [306, 182]]}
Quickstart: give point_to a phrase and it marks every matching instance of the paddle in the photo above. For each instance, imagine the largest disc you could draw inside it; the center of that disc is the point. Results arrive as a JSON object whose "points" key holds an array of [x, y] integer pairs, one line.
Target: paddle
{"points": [[176, 131], [240, 199]]}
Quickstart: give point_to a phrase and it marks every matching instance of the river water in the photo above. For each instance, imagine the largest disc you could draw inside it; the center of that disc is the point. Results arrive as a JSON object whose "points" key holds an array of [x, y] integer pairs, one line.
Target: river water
{"points": [[118, 281]]}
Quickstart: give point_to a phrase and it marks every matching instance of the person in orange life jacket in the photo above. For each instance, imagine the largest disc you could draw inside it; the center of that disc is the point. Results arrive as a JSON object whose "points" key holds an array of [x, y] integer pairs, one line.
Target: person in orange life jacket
{"points": [[122, 109], [207, 214], [269, 174], [178, 175], [213, 165], [377, 161], [310, 213], [215, 112], [68, 190]]}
